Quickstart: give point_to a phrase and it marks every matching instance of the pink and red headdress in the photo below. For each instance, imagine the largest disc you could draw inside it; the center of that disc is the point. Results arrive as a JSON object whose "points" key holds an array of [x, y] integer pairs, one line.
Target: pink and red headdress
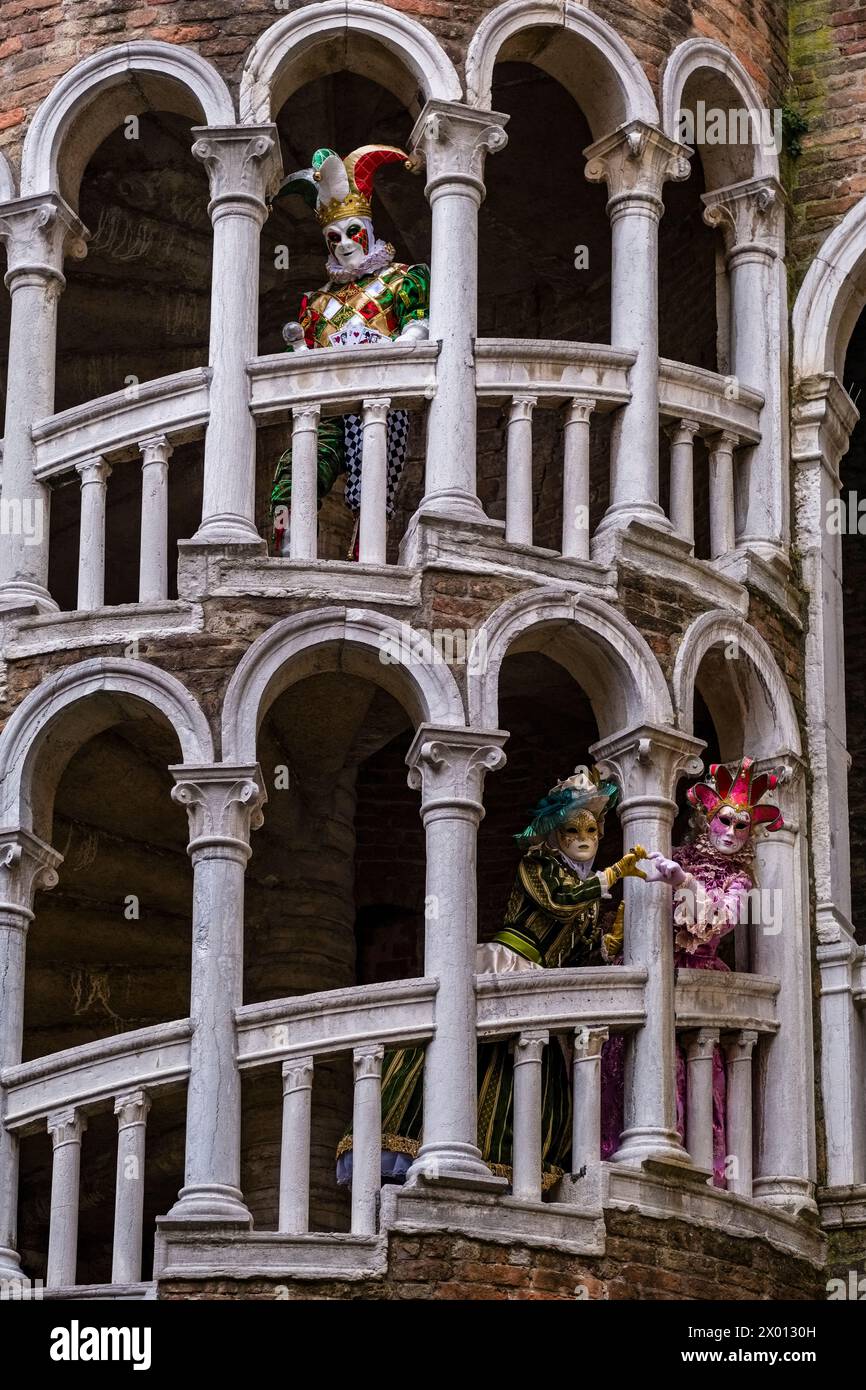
{"points": [[742, 789]]}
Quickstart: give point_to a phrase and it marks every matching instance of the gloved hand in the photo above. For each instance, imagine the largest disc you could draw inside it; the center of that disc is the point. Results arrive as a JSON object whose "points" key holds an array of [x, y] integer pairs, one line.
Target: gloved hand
{"points": [[626, 867], [662, 870], [612, 941], [418, 331]]}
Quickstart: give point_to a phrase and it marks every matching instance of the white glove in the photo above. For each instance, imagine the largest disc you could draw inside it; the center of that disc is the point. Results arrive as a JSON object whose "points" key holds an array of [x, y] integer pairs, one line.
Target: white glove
{"points": [[418, 331], [662, 870]]}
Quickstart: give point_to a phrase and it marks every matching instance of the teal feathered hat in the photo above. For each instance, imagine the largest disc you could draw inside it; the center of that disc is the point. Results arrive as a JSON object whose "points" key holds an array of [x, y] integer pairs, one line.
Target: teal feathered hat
{"points": [[583, 791]]}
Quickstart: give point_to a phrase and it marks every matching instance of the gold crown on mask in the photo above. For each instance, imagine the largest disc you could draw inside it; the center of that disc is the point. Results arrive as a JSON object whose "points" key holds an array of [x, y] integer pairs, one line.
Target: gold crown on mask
{"points": [[335, 187]]}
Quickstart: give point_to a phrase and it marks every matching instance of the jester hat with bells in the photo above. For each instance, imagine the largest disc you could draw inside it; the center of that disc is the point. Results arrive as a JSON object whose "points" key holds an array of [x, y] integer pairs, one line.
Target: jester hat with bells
{"points": [[583, 791], [335, 187], [742, 789]]}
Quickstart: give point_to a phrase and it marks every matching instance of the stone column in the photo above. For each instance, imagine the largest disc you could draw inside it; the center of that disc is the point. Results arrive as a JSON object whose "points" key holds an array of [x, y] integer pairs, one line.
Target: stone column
{"points": [[39, 232], [243, 165], [66, 1128], [575, 477], [224, 805], [366, 1138], [751, 218], [634, 161], [518, 488], [452, 140], [528, 1057], [373, 523], [843, 1065], [94, 474], [294, 1216], [647, 763], [738, 1111], [682, 437], [131, 1111], [586, 1097], [700, 1050], [449, 765], [304, 519], [785, 1160], [153, 555], [26, 864], [722, 534]]}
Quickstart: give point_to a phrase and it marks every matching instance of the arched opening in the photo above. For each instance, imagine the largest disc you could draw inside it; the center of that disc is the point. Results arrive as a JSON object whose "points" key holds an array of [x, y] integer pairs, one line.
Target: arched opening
{"points": [[107, 953], [340, 110], [853, 474]]}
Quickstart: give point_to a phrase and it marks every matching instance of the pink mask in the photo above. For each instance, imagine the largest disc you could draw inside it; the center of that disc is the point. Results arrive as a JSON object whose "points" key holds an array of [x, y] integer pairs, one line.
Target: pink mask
{"points": [[729, 830]]}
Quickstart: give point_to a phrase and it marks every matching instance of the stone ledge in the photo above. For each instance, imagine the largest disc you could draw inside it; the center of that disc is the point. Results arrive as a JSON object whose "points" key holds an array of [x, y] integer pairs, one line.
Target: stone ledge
{"points": [[570, 1228], [102, 627], [226, 1253], [842, 1206], [661, 555]]}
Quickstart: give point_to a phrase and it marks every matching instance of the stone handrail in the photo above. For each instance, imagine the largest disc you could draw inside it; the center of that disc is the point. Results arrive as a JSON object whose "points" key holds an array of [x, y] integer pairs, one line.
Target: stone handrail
{"points": [[339, 380]]}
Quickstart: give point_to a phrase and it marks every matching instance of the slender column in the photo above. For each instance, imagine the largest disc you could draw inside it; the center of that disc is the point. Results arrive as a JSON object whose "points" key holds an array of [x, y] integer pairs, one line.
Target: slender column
{"points": [[153, 558], [224, 805], [131, 1111], [518, 497], [843, 1065], [94, 474], [700, 1047], [66, 1128], [294, 1216], [738, 1119], [575, 478], [528, 1056], [634, 161], [39, 232], [751, 218], [303, 539], [586, 1092], [647, 763], [243, 166], [366, 1138], [682, 437], [449, 765], [452, 140], [26, 864], [373, 527], [785, 1160], [722, 536]]}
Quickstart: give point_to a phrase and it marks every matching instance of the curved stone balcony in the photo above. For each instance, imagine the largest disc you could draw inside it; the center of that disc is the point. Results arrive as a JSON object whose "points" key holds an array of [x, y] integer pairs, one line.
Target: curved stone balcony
{"points": [[583, 1006]]}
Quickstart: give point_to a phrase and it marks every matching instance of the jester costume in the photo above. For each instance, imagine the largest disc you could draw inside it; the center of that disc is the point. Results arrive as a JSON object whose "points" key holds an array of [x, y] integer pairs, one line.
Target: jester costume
{"points": [[552, 919], [370, 298]]}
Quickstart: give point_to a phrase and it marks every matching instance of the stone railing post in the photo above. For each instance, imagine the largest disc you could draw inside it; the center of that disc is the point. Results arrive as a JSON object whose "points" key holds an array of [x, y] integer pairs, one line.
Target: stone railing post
{"points": [[224, 805], [366, 1137], [39, 232], [575, 477], [26, 864], [294, 1215], [153, 556], [66, 1128], [131, 1111], [722, 535], [682, 437], [647, 764], [94, 474], [528, 1057], [700, 1048], [739, 1048], [243, 165], [635, 161], [449, 765]]}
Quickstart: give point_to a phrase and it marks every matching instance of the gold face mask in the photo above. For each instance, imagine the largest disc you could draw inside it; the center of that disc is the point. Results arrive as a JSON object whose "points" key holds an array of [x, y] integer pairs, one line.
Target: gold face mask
{"points": [[579, 837]]}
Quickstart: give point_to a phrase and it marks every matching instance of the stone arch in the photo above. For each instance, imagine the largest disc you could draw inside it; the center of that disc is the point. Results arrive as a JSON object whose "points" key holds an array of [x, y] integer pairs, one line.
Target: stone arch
{"points": [[747, 697], [574, 46], [94, 97], [608, 658], [7, 180], [831, 299], [74, 705], [386, 46], [722, 77], [356, 641]]}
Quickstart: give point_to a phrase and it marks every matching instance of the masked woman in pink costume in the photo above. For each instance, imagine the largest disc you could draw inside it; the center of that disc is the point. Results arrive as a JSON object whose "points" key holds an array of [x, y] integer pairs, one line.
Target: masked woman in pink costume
{"points": [[712, 877]]}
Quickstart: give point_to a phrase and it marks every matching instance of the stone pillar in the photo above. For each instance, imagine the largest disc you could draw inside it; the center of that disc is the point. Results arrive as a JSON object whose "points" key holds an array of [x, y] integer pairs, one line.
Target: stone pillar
{"points": [[66, 1128], [738, 1114], [449, 765], [528, 1057], [39, 232], [634, 161], [373, 524], [131, 1111], [518, 488], [843, 1066], [647, 764], [700, 1050], [243, 166], [751, 218], [304, 522], [785, 1161], [575, 478], [586, 1094], [294, 1216], [366, 1138], [94, 474], [224, 805], [722, 533], [153, 556], [452, 140], [26, 864], [682, 437]]}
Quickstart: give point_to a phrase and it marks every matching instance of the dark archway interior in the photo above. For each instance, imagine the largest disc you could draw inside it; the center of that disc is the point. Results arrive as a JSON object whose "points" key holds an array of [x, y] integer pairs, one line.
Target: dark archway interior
{"points": [[853, 470]]}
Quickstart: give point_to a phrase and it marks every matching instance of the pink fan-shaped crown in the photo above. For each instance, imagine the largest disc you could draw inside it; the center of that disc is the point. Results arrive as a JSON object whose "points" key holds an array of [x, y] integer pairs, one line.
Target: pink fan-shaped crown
{"points": [[742, 790]]}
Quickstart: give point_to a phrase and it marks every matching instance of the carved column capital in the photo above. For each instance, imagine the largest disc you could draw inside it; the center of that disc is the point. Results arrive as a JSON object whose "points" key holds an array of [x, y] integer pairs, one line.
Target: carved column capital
{"points": [[647, 763], [157, 448], [452, 140], [40, 232], [26, 865], [224, 805], [298, 1074], [700, 1044], [589, 1041], [132, 1109], [449, 765], [635, 161], [243, 166], [739, 1046], [824, 416], [66, 1126], [367, 1061], [529, 1046], [750, 216], [376, 410], [93, 470]]}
